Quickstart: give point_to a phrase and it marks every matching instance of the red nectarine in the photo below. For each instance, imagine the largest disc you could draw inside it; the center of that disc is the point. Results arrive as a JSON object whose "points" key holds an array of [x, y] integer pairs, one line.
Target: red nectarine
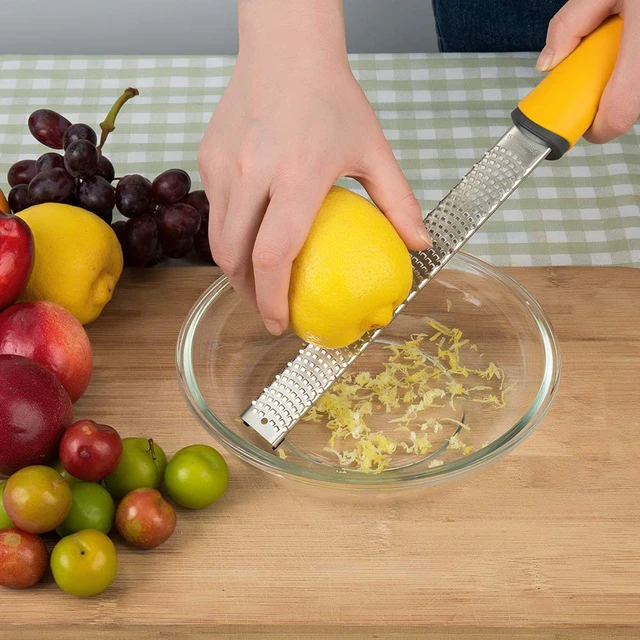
{"points": [[50, 335], [34, 412]]}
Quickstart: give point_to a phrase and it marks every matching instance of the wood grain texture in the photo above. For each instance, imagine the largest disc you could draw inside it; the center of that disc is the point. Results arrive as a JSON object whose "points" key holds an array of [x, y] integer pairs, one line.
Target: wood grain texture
{"points": [[543, 544]]}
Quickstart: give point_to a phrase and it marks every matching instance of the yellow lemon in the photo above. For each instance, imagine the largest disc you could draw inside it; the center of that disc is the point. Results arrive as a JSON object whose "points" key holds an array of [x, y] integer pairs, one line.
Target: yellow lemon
{"points": [[78, 259], [351, 274]]}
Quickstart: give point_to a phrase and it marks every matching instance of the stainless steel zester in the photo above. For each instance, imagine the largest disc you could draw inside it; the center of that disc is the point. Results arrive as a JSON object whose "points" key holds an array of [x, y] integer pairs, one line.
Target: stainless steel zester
{"points": [[546, 124]]}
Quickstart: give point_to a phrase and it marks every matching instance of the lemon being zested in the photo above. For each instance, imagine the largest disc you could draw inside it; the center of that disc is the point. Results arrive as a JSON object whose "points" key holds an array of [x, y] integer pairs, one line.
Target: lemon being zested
{"points": [[351, 274], [78, 259]]}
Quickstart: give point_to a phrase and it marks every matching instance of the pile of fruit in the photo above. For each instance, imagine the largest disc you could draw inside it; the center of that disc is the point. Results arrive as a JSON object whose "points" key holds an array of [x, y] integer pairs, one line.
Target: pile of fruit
{"points": [[78, 480], [165, 218], [76, 497]]}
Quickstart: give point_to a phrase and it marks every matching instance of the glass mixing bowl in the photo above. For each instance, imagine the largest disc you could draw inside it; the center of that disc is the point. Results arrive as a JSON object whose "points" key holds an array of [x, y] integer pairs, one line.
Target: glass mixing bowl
{"points": [[225, 357]]}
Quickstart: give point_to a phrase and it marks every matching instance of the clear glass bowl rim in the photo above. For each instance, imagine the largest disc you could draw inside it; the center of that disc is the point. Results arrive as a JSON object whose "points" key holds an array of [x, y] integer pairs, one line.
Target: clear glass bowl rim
{"points": [[391, 479]]}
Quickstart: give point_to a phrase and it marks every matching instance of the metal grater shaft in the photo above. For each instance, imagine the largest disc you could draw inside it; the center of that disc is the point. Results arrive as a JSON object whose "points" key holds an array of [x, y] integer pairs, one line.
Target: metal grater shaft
{"points": [[454, 220]]}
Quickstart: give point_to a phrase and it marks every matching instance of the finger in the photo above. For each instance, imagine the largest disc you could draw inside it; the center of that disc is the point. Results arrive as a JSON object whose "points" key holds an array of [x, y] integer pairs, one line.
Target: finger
{"points": [[284, 230], [389, 189], [218, 200], [576, 19], [620, 103], [248, 201], [218, 197], [217, 191]]}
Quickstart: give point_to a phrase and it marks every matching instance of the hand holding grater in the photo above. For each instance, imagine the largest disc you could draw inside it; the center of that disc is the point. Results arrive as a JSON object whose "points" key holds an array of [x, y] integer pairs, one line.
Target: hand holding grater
{"points": [[547, 123]]}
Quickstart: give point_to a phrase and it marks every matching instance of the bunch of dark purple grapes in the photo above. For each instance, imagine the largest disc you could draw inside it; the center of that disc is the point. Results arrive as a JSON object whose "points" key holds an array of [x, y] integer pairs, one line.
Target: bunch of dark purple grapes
{"points": [[164, 217], [82, 176]]}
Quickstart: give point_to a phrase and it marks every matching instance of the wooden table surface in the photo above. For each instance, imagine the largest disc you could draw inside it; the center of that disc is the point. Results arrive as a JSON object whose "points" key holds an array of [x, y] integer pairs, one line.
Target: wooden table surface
{"points": [[543, 544]]}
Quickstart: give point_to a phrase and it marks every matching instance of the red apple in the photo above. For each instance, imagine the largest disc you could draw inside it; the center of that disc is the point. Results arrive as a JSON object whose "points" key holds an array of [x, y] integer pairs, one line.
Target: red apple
{"points": [[90, 451], [145, 519], [49, 334], [34, 412], [23, 558], [16, 258]]}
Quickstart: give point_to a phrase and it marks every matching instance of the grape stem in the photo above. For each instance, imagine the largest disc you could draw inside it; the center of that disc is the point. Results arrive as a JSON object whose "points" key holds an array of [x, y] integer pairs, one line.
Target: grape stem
{"points": [[109, 123]]}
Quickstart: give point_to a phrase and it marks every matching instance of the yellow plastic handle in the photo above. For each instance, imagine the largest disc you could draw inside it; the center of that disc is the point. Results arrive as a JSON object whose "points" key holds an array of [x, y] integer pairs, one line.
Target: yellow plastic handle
{"points": [[566, 101]]}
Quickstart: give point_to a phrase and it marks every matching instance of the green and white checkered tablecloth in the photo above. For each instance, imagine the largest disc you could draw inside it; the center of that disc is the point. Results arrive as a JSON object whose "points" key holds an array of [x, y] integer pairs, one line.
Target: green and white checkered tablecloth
{"points": [[440, 113]]}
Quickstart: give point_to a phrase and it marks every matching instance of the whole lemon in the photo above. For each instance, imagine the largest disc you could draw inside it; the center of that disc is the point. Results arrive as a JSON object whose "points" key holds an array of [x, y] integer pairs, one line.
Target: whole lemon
{"points": [[351, 274], [78, 259]]}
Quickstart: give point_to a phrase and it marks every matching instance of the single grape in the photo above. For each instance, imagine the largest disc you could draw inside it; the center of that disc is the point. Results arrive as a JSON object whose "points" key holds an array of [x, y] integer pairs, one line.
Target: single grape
{"points": [[96, 195], [202, 246], [133, 196], [48, 127], [177, 224], [19, 198], [199, 201], [54, 185], [140, 238], [79, 132], [105, 169], [170, 186], [177, 220], [50, 160], [81, 159], [21, 172]]}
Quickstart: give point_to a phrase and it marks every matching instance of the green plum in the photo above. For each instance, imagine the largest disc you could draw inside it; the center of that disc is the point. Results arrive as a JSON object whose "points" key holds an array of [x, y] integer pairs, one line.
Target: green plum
{"points": [[196, 476], [141, 466], [92, 507], [5, 520]]}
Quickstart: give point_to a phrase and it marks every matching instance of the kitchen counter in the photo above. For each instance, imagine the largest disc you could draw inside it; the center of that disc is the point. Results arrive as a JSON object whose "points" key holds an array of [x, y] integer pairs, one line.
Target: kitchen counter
{"points": [[542, 545]]}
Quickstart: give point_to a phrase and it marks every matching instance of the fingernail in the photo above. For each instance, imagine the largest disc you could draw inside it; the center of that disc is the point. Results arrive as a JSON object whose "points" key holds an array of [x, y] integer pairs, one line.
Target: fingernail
{"points": [[273, 327], [423, 234], [545, 60]]}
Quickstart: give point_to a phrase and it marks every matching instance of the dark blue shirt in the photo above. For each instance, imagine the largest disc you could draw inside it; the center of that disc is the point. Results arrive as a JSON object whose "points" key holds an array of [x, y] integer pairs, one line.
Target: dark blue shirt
{"points": [[493, 25]]}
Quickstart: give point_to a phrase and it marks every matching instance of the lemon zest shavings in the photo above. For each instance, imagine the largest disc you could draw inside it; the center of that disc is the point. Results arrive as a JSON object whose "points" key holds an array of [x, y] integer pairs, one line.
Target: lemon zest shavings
{"points": [[415, 382]]}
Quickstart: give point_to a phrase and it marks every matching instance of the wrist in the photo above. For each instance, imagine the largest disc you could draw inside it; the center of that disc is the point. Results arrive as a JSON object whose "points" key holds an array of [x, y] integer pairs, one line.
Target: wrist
{"points": [[292, 29]]}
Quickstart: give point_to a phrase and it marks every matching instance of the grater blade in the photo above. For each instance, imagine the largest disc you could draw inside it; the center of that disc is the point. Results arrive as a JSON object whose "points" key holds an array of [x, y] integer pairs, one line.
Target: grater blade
{"points": [[454, 220]]}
